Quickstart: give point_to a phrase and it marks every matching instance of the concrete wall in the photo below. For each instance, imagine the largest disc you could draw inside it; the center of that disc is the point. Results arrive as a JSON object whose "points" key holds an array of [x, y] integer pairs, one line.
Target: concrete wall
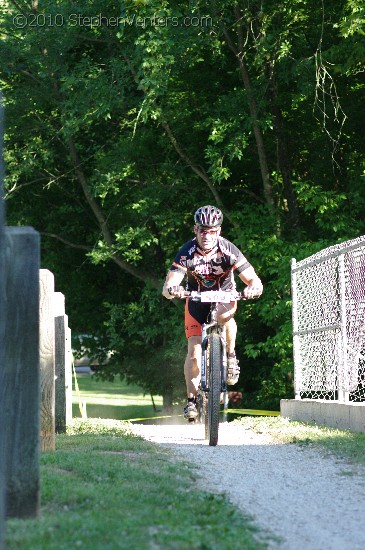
{"points": [[350, 416]]}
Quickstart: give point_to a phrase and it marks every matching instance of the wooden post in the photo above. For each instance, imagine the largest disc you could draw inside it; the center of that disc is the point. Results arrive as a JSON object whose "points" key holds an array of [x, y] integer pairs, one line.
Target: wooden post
{"points": [[20, 371], [47, 363], [63, 366], [69, 375], [2, 338]]}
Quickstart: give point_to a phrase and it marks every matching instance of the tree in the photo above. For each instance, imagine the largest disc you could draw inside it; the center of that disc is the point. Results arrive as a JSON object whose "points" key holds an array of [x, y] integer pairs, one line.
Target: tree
{"points": [[122, 120]]}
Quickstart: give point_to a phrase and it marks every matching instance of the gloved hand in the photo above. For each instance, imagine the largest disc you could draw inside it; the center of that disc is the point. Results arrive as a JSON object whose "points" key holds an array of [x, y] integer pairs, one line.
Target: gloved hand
{"points": [[177, 291]]}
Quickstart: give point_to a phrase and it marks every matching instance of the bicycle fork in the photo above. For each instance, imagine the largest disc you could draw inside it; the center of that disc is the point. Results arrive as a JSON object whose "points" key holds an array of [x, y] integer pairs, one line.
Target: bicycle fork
{"points": [[222, 335], [224, 359]]}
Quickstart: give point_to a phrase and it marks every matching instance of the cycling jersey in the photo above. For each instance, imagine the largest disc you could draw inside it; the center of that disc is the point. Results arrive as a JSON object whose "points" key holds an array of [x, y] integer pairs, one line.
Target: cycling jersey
{"points": [[211, 270]]}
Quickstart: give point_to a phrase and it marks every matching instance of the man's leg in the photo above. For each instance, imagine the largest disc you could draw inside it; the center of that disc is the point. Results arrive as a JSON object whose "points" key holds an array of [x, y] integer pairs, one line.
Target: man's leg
{"points": [[196, 313], [192, 368], [225, 315], [192, 365], [231, 333]]}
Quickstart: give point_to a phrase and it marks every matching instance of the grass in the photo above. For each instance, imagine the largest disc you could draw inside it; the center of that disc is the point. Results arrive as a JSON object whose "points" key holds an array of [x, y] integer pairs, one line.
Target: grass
{"points": [[341, 443], [106, 489], [114, 400]]}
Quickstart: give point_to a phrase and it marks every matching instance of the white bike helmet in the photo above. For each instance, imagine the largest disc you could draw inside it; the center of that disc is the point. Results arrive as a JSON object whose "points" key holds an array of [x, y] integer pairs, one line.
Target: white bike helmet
{"points": [[208, 216]]}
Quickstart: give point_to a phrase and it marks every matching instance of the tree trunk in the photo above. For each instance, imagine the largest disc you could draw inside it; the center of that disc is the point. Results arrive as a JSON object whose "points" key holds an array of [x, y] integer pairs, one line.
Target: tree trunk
{"points": [[285, 170], [283, 157], [265, 174], [239, 53]]}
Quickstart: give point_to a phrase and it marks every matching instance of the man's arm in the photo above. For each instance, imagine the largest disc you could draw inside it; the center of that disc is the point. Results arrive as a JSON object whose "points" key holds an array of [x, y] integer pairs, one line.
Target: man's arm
{"points": [[173, 278], [254, 285]]}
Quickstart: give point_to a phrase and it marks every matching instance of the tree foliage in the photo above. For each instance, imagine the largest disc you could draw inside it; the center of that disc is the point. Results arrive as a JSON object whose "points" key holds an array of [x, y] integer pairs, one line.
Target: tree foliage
{"points": [[122, 118]]}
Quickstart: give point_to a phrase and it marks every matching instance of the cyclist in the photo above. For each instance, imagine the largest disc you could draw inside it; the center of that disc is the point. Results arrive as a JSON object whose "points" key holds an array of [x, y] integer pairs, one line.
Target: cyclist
{"points": [[208, 261]]}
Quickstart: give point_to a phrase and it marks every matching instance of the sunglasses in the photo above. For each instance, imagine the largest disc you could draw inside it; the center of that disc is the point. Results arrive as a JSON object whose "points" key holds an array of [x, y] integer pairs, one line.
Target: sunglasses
{"points": [[211, 232]]}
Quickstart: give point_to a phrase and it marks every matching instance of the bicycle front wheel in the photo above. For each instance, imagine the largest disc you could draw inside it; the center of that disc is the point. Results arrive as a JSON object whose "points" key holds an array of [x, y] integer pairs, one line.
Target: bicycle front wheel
{"points": [[215, 363]]}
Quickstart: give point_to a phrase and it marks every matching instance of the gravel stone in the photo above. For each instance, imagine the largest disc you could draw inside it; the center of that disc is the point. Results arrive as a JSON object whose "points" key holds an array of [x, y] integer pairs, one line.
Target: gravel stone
{"points": [[297, 496]]}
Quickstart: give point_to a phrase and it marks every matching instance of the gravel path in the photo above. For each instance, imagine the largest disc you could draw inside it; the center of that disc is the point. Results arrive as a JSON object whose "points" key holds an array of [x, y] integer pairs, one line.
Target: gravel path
{"points": [[298, 498]]}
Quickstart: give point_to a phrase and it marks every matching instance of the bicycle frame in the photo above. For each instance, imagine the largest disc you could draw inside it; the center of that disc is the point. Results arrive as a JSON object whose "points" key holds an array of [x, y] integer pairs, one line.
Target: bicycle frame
{"points": [[215, 298], [206, 330]]}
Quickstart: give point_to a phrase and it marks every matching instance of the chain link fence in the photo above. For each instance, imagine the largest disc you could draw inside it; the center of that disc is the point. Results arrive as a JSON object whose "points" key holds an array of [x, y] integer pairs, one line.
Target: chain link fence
{"points": [[328, 291]]}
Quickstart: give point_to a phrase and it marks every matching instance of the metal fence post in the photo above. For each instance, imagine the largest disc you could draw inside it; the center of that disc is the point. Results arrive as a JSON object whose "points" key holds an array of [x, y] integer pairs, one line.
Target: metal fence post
{"points": [[296, 341], [343, 382]]}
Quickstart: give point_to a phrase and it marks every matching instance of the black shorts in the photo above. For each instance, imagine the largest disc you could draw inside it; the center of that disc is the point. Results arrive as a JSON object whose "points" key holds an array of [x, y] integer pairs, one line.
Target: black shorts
{"points": [[197, 313]]}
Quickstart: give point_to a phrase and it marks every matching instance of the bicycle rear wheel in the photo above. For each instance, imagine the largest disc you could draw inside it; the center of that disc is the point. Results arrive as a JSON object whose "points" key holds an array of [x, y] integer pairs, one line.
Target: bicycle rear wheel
{"points": [[215, 362]]}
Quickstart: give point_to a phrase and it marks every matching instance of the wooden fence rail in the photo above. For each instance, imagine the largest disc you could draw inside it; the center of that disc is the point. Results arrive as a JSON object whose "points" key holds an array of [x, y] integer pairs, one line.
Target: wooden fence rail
{"points": [[63, 365], [47, 360], [2, 336]]}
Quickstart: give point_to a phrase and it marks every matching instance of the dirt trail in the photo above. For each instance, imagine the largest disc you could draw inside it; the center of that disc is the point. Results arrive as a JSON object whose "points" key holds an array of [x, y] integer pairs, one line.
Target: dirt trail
{"points": [[298, 497]]}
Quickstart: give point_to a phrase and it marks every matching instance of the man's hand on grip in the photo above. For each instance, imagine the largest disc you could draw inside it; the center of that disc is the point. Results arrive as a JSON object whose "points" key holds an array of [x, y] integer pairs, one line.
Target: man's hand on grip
{"points": [[254, 289], [177, 291]]}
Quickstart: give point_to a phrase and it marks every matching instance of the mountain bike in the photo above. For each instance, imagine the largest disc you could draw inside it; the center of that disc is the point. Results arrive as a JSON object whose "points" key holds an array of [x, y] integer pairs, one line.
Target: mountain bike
{"points": [[214, 361]]}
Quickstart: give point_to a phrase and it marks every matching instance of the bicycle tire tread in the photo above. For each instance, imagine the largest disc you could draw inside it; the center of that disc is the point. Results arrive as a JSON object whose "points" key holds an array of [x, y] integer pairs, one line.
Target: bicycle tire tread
{"points": [[215, 361]]}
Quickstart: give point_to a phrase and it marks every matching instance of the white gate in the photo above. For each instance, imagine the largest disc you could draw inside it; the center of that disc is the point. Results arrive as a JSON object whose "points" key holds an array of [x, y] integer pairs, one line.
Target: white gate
{"points": [[328, 291]]}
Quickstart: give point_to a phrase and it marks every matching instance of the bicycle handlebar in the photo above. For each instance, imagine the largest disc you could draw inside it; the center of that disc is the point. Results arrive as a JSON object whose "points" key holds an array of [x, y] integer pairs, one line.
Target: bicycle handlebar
{"points": [[217, 296]]}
